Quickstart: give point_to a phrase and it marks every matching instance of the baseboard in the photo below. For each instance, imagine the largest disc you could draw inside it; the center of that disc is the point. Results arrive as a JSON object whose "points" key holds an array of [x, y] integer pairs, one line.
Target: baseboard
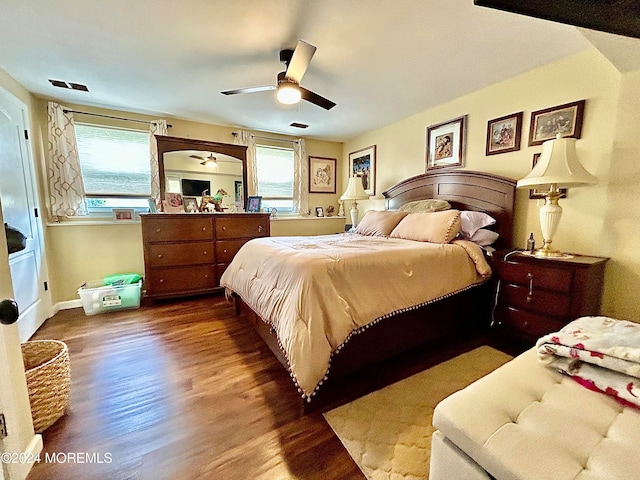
{"points": [[67, 305]]}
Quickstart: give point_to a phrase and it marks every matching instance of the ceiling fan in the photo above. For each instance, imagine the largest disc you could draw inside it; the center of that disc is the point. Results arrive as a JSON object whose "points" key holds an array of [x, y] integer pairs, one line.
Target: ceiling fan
{"points": [[210, 161], [288, 89]]}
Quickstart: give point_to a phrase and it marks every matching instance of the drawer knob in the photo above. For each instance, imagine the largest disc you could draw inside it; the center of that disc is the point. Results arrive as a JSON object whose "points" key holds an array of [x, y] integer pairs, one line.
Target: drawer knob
{"points": [[204, 229], [525, 324], [224, 251], [260, 228], [529, 299], [157, 230], [162, 280], [529, 275], [159, 255], [206, 275], [224, 229], [204, 253]]}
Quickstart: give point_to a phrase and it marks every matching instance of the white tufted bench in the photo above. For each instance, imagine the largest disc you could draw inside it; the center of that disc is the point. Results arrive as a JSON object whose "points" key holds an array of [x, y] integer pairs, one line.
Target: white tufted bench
{"points": [[525, 421]]}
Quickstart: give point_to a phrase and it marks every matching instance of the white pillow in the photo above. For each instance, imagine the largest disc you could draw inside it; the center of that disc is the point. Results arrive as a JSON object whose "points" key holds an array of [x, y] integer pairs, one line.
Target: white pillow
{"points": [[472, 221], [484, 237]]}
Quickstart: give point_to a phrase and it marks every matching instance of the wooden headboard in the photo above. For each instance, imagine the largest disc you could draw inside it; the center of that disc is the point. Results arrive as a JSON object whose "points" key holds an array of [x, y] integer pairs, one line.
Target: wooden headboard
{"points": [[464, 190]]}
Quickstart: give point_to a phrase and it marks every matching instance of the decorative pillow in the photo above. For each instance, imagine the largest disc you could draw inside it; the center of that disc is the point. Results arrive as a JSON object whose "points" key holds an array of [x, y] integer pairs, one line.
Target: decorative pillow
{"points": [[472, 221], [484, 237], [421, 206], [434, 227], [379, 223]]}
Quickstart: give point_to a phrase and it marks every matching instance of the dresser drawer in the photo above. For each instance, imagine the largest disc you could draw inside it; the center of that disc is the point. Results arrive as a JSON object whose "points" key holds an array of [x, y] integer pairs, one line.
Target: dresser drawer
{"points": [[536, 300], [538, 276], [231, 227], [226, 249], [174, 228], [527, 323], [181, 280], [170, 254]]}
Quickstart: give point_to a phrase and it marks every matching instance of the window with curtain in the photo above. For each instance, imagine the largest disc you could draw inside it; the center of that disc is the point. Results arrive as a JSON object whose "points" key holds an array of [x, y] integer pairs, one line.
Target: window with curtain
{"points": [[275, 172], [115, 167]]}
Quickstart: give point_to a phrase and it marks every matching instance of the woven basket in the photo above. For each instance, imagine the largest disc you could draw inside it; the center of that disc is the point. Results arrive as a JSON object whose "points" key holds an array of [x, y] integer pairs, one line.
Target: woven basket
{"points": [[46, 364]]}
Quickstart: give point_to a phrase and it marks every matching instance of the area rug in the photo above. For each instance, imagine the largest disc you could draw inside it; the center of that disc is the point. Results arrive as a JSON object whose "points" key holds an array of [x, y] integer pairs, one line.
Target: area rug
{"points": [[388, 432]]}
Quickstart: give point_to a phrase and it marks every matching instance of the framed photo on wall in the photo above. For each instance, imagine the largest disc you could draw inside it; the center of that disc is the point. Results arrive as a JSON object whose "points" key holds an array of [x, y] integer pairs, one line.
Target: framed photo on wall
{"points": [[534, 193], [322, 175], [446, 144], [503, 134], [362, 163], [565, 119]]}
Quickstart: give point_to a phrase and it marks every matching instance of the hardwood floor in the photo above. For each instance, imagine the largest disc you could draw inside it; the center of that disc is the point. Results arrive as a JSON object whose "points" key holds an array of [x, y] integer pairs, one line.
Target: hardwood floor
{"points": [[181, 390], [187, 390]]}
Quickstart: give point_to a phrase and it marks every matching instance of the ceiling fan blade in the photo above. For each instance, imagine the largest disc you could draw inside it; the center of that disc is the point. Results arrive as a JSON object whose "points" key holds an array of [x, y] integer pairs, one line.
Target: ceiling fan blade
{"points": [[316, 99], [196, 156], [300, 61], [249, 90]]}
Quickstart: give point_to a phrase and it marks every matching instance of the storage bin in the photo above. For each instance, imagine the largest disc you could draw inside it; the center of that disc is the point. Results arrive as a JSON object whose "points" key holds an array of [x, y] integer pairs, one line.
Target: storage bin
{"points": [[99, 298], [48, 373]]}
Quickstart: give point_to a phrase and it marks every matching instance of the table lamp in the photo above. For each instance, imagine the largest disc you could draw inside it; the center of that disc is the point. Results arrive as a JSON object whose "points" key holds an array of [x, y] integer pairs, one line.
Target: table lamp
{"points": [[558, 167], [355, 192]]}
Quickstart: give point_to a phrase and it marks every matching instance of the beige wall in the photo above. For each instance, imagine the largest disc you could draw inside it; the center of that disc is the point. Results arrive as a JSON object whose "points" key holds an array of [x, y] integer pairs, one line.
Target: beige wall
{"points": [[601, 220], [79, 252]]}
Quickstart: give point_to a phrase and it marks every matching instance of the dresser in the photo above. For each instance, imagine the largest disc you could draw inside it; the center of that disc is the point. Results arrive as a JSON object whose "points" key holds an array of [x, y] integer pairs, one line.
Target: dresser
{"points": [[536, 296], [186, 254]]}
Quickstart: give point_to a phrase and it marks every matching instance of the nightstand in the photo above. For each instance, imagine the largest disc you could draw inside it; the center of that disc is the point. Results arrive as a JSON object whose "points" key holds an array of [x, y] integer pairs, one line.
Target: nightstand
{"points": [[536, 296]]}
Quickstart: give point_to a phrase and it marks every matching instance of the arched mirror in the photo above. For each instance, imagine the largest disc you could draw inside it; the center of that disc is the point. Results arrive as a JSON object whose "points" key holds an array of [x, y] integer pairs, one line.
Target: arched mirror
{"points": [[192, 166]]}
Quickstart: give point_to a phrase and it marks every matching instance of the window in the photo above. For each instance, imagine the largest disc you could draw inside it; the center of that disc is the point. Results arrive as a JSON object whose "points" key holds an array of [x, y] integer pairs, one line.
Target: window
{"points": [[275, 177], [115, 167]]}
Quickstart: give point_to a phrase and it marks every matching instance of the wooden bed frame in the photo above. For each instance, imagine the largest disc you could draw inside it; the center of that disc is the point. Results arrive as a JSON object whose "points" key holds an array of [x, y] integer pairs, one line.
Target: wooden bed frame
{"points": [[467, 312]]}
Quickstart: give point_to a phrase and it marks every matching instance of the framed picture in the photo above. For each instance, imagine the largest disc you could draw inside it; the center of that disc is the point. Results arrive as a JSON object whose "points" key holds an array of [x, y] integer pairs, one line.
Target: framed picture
{"points": [[173, 202], [446, 144], [362, 163], [238, 199], [503, 134], [254, 204], [319, 212], [322, 175], [152, 206], [565, 119], [124, 215], [534, 193], [190, 204]]}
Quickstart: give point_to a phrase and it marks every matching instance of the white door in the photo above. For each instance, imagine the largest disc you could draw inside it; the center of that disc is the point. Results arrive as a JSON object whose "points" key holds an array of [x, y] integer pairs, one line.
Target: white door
{"points": [[19, 209]]}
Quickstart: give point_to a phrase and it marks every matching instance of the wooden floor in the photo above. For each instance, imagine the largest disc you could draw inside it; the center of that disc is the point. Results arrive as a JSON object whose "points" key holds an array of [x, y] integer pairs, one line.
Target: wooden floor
{"points": [[182, 390]]}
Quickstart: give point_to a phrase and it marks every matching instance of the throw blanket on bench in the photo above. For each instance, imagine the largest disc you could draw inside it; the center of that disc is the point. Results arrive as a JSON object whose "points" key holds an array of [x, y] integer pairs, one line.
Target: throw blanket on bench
{"points": [[600, 353]]}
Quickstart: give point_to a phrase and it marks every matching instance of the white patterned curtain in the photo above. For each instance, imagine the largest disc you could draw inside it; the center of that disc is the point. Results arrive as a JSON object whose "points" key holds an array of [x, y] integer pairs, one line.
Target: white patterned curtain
{"points": [[66, 186], [245, 138], [300, 178], [156, 127]]}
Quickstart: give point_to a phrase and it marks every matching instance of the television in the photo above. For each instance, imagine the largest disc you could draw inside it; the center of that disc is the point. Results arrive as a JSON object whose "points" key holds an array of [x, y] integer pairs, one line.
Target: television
{"points": [[195, 188]]}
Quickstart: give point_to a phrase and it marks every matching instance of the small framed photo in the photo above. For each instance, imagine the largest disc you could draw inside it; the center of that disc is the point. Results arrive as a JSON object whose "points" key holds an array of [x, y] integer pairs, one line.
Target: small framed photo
{"points": [[534, 193], [124, 215], [362, 163], [190, 204], [152, 206], [322, 175], [446, 144], [503, 134], [254, 204], [319, 212], [173, 203], [565, 119]]}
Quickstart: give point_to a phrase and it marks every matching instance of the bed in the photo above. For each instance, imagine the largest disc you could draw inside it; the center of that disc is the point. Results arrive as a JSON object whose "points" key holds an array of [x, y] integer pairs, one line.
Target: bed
{"points": [[351, 333]]}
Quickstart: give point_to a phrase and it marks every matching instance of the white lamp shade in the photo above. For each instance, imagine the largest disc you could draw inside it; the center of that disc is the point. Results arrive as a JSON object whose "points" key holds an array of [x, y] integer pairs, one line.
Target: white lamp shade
{"points": [[558, 165], [355, 190]]}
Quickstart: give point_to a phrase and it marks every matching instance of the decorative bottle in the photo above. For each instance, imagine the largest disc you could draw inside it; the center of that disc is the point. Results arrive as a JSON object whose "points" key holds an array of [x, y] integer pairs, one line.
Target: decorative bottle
{"points": [[531, 243]]}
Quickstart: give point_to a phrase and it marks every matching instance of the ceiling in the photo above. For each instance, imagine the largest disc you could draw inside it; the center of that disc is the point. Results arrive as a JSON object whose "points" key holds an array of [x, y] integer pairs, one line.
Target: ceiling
{"points": [[380, 61]]}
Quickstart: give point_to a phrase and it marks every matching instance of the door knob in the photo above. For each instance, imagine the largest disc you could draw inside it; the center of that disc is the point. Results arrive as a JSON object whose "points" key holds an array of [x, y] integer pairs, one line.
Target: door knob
{"points": [[8, 312]]}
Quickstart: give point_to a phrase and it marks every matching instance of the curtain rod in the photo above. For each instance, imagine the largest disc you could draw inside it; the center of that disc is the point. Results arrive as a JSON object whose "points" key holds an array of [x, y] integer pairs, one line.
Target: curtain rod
{"points": [[235, 134], [109, 116]]}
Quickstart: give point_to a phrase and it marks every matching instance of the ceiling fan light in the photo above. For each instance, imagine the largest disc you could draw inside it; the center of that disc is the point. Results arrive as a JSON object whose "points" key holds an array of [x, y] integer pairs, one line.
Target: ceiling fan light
{"points": [[288, 93]]}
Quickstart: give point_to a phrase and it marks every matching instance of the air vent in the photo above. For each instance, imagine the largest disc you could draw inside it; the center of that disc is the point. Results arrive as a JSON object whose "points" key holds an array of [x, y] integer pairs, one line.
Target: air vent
{"points": [[73, 86], [299, 125]]}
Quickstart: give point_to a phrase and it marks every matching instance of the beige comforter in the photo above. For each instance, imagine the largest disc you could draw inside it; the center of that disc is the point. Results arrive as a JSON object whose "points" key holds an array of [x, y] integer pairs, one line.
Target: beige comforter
{"points": [[316, 292]]}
